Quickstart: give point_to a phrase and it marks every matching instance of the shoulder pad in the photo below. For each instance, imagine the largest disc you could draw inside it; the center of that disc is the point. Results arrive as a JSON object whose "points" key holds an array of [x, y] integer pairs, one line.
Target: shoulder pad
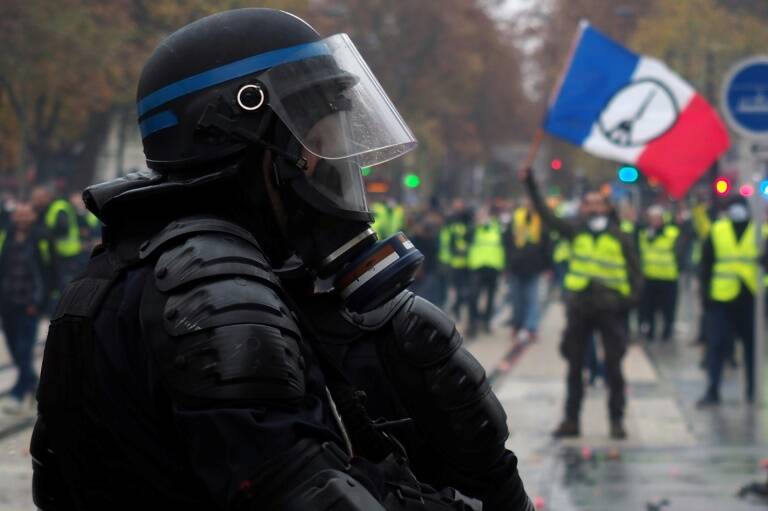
{"points": [[227, 301], [186, 227], [424, 333], [211, 254], [237, 363]]}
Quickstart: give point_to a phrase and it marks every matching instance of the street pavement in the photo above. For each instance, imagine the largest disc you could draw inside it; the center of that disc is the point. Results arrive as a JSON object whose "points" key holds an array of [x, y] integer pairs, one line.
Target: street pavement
{"points": [[675, 457]]}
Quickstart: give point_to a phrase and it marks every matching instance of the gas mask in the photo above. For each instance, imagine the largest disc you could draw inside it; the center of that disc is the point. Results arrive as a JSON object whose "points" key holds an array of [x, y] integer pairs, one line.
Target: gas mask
{"points": [[738, 212], [328, 224], [597, 223], [334, 119]]}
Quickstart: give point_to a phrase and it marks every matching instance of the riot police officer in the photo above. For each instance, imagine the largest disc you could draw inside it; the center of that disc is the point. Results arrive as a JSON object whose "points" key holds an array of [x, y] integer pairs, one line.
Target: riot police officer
{"points": [[180, 372]]}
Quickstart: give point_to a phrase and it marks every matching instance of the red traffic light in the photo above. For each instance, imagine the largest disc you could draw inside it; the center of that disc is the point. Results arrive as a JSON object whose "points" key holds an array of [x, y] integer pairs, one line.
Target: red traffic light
{"points": [[722, 186], [556, 164], [746, 190]]}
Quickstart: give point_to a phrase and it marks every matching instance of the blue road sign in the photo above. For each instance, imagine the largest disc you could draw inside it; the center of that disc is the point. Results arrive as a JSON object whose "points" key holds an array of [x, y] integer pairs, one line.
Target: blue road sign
{"points": [[745, 97]]}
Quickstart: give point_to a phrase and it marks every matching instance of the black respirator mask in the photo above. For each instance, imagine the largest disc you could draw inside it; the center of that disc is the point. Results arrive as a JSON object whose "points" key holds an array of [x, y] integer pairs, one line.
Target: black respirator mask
{"points": [[329, 226]]}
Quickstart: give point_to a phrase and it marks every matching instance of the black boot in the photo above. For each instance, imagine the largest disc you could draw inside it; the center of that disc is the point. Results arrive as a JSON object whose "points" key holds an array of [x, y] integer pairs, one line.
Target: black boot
{"points": [[617, 429], [568, 428], [709, 399]]}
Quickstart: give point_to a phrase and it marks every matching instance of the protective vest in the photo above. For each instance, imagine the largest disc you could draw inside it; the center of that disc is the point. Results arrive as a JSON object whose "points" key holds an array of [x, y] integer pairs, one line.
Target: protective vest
{"points": [[701, 222], [562, 251], [444, 245], [487, 249], [458, 245], [599, 258], [526, 228], [68, 246], [92, 220], [658, 255], [388, 221], [735, 261], [627, 226]]}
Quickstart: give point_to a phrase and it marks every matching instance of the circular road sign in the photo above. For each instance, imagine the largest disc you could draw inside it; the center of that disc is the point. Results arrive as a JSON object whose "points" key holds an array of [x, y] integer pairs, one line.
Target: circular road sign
{"points": [[745, 97]]}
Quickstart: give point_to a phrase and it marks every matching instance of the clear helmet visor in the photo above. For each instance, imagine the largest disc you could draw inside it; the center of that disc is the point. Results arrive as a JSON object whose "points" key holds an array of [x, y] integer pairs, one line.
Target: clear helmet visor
{"points": [[338, 111]]}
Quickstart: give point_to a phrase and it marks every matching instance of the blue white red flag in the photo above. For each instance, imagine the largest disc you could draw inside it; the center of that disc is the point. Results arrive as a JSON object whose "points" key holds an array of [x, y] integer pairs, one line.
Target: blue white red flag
{"points": [[631, 108]]}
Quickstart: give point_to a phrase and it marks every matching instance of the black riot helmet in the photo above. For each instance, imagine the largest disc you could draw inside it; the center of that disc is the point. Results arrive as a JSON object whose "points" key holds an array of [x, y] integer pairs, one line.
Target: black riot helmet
{"points": [[245, 87]]}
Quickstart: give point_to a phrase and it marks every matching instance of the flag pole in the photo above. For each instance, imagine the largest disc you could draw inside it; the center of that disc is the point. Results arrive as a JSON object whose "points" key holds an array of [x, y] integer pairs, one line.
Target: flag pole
{"points": [[538, 137]]}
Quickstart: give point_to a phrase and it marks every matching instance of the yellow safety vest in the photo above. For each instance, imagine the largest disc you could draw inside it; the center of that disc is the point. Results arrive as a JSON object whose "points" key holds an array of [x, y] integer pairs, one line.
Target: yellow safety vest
{"points": [[69, 246], [487, 249], [627, 226], [388, 221], [600, 259], [735, 261], [562, 251], [444, 245], [658, 255], [526, 231], [92, 220], [700, 220], [458, 245]]}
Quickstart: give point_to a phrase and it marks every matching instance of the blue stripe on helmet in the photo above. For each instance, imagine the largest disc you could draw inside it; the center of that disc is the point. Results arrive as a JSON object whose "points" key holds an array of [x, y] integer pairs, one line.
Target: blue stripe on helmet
{"points": [[157, 122], [230, 71]]}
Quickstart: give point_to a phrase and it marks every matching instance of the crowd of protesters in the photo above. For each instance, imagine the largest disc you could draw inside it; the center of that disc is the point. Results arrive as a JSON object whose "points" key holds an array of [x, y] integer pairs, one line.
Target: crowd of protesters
{"points": [[479, 259], [618, 269], [45, 238]]}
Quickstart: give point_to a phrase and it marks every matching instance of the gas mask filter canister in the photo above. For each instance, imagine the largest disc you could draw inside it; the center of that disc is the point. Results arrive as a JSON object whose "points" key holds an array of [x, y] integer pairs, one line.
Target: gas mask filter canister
{"points": [[378, 273]]}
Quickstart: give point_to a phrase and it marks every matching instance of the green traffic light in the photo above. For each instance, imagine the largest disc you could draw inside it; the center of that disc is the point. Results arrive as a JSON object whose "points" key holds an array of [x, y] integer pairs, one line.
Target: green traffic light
{"points": [[366, 171], [411, 181]]}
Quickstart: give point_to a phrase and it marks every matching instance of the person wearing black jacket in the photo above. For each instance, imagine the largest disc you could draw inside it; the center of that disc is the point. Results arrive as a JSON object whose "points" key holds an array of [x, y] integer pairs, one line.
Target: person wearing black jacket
{"points": [[603, 281], [24, 283]]}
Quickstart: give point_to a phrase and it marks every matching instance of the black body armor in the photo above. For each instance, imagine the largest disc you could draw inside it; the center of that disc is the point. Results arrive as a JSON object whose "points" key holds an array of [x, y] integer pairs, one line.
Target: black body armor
{"points": [[177, 376], [431, 394]]}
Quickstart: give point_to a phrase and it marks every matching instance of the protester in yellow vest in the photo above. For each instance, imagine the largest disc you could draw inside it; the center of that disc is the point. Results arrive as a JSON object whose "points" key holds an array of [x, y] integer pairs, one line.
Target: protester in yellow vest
{"points": [[659, 258], [603, 281], [485, 260], [459, 225], [729, 270], [389, 218], [58, 219], [527, 245]]}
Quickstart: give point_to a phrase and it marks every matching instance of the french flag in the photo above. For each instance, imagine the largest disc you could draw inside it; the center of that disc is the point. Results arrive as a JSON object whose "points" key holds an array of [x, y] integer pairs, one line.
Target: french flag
{"points": [[631, 108]]}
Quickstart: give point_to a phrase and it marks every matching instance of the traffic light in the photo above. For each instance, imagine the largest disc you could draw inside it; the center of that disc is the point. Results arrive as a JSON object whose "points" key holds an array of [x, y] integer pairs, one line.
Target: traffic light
{"points": [[722, 186], [366, 171], [411, 181], [746, 190], [556, 164], [628, 174], [377, 187]]}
